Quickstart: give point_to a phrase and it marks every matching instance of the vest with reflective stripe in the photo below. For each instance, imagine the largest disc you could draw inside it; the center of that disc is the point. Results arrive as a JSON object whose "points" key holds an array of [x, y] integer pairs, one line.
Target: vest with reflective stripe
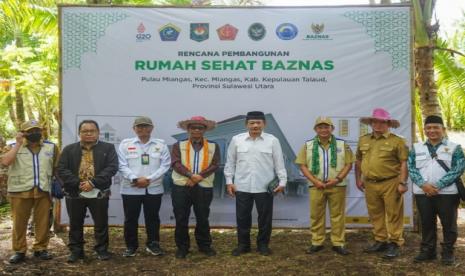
{"points": [[30, 170], [196, 160], [430, 169], [325, 160]]}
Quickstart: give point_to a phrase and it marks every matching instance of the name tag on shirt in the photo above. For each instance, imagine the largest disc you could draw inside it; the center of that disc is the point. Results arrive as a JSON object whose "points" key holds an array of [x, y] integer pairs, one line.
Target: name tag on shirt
{"points": [[145, 159]]}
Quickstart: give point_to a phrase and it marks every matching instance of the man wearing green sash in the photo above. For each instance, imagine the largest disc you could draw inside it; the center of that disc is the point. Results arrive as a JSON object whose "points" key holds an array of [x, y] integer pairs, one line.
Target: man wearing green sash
{"points": [[325, 161]]}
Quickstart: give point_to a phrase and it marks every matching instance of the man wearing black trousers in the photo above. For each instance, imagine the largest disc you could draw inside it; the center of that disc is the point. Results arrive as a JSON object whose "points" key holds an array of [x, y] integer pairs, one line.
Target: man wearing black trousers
{"points": [[253, 160], [143, 161], [194, 163], [434, 167], [86, 169]]}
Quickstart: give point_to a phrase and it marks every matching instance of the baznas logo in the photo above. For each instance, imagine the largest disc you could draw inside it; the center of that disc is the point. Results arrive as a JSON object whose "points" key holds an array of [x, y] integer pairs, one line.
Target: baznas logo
{"points": [[141, 36], [256, 31], [318, 34], [318, 29], [169, 32], [227, 32], [199, 31], [286, 31]]}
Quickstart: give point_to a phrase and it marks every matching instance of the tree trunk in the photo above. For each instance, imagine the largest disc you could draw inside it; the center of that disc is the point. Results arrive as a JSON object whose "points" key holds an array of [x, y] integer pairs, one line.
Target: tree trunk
{"points": [[424, 65], [20, 117]]}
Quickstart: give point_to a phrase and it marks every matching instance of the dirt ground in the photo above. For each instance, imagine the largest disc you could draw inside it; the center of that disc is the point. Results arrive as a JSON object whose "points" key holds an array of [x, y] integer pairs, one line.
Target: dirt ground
{"points": [[288, 257]]}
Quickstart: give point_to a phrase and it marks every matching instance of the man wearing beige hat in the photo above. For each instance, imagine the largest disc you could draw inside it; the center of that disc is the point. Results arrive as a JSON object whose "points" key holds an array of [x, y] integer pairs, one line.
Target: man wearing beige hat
{"points": [[143, 161], [194, 163], [325, 161], [381, 172], [32, 163]]}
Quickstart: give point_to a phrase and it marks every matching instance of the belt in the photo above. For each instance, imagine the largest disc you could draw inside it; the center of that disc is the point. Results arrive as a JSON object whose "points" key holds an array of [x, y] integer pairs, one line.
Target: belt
{"points": [[376, 180]]}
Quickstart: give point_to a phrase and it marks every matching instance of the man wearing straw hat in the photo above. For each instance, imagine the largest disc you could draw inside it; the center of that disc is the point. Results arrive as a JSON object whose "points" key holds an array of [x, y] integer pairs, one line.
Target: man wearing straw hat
{"points": [[381, 171], [194, 163], [31, 162], [325, 161], [143, 161]]}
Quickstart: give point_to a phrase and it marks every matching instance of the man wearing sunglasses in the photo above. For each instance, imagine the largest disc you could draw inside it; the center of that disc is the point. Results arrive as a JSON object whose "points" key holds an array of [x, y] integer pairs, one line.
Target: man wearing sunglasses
{"points": [[143, 160], [194, 163]]}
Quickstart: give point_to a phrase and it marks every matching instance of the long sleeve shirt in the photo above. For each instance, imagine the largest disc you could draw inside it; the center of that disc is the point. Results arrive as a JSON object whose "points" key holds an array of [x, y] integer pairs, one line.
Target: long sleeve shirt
{"points": [[457, 166], [254, 163], [131, 166]]}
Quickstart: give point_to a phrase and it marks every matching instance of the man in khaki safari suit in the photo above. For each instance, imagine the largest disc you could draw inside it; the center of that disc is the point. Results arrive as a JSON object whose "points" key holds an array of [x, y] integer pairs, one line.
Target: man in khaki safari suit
{"points": [[325, 161], [381, 171]]}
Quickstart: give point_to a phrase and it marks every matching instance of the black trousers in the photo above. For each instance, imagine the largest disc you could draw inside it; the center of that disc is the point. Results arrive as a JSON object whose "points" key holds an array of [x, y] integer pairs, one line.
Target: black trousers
{"points": [[132, 205], [244, 205], [444, 206], [183, 198], [77, 208]]}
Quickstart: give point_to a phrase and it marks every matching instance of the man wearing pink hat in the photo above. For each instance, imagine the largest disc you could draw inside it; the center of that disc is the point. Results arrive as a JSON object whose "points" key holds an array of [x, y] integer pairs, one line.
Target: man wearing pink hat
{"points": [[194, 163], [381, 172]]}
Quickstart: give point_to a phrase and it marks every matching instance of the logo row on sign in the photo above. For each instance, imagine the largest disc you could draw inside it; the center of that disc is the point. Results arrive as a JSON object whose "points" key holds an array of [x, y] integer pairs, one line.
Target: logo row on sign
{"points": [[201, 31]]}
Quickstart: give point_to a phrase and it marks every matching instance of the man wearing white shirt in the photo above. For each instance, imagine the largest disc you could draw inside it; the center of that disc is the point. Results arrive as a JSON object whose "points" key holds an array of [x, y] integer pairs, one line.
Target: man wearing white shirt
{"points": [[143, 161], [254, 159]]}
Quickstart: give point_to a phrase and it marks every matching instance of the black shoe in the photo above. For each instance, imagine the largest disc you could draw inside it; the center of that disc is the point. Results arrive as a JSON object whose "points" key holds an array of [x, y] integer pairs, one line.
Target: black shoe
{"points": [[447, 258], [130, 252], [392, 251], [376, 247], [43, 255], [181, 253], [154, 249], [425, 256], [103, 255], [17, 258], [75, 256], [314, 248], [341, 250], [240, 250], [208, 251], [264, 250]]}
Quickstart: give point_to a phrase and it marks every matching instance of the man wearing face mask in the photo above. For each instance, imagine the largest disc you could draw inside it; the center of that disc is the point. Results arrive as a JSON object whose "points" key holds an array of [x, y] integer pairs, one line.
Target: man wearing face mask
{"points": [[31, 161]]}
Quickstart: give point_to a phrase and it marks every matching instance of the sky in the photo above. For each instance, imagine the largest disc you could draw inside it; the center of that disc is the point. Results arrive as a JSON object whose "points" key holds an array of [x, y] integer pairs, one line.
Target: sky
{"points": [[447, 11]]}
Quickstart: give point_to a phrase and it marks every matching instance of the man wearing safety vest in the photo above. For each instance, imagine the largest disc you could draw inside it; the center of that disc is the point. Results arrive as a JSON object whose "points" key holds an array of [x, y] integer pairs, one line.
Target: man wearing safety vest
{"points": [[31, 162], [194, 163], [325, 161]]}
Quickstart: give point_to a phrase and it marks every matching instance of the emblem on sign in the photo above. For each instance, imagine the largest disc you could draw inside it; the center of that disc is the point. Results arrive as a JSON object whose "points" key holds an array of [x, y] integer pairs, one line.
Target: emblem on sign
{"points": [[256, 31], [318, 28], [199, 31], [286, 31], [169, 32], [227, 32]]}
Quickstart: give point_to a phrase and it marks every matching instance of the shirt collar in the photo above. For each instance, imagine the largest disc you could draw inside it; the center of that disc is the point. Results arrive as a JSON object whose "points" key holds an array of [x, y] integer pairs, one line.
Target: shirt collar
{"points": [[248, 137], [137, 140], [385, 135], [82, 145], [444, 141]]}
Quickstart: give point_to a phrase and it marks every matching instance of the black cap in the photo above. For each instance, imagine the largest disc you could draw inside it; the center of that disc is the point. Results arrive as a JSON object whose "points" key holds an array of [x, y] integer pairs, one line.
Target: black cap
{"points": [[255, 115], [433, 119]]}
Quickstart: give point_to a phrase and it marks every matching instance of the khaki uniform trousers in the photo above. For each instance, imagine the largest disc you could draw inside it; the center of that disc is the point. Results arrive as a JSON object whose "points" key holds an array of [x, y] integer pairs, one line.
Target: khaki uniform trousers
{"points": [[335, 197], [386, 210], [21, 211]]}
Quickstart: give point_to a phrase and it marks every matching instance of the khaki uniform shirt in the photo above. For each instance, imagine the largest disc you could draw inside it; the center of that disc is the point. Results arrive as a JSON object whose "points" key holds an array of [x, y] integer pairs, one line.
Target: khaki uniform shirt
{"points": [[381, 157]]}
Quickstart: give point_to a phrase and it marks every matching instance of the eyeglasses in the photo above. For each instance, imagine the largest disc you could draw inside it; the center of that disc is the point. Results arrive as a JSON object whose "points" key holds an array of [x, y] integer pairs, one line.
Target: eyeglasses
{"points": [[93, 131]]}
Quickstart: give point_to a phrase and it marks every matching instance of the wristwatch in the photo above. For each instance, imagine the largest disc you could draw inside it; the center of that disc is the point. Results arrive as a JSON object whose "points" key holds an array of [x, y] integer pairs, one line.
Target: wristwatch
{"points": [[134, 180]]}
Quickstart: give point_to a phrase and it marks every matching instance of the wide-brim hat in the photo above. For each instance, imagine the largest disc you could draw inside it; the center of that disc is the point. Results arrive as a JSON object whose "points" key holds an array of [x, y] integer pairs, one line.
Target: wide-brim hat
{"points": [[383, 115], [198, 120]]}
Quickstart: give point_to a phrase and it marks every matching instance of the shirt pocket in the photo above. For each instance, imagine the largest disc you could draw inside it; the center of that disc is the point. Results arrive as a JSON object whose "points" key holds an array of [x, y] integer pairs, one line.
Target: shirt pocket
{"points": [[445, 156], [385, 151], [421, 161], [364, 149], [242, 154], [155, 155]]}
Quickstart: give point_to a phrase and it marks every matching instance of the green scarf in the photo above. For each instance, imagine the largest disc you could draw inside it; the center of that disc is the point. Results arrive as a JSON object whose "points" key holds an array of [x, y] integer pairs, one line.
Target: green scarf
{"points": [[316, 154]]}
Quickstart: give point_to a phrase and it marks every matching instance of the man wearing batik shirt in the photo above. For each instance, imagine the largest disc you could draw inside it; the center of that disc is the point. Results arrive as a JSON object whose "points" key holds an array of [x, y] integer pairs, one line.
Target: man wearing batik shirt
{"points": [[434, 167]]}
